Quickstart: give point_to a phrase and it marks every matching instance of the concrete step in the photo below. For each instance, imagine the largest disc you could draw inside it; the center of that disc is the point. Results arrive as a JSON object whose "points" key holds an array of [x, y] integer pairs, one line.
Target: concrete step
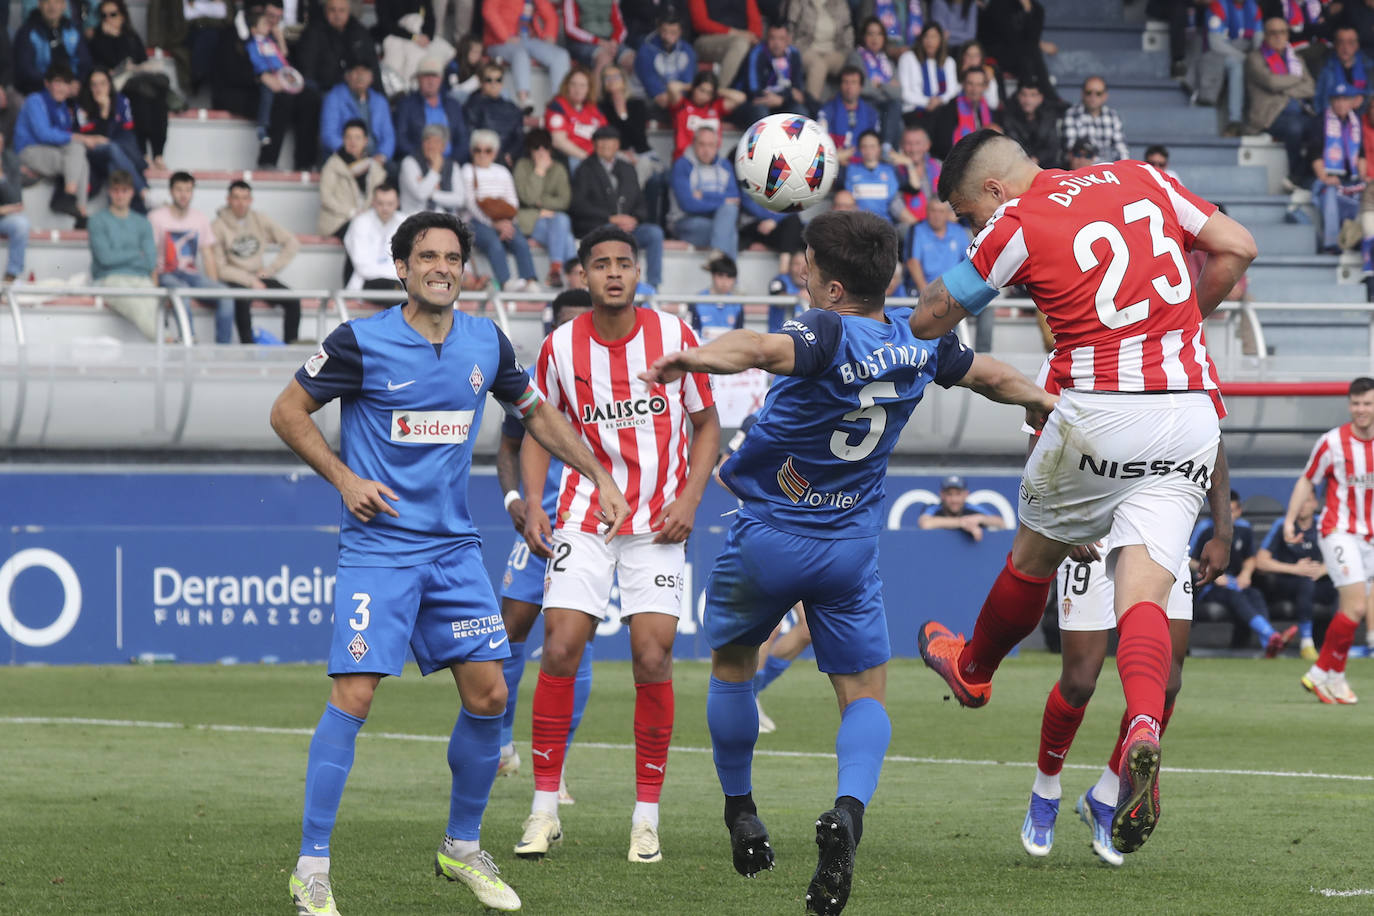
{"points": [[1215, 181], [1164, 95], [202, 139], [1191, 151], [1255, 209], [1283, 239], [1071, 66], [1173, 120], [1092, 37], [1083, 14]]}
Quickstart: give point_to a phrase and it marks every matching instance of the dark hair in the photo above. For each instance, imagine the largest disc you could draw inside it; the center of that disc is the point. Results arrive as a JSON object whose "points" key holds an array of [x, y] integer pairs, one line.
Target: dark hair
{"points": [[956, 164], [416, 225], [58, 73], [607, 233], [777, 24], [868, 133], [705, 76], [919, 48], [850, 68], [855, 248], [239, 184], [669, 16], [538, 138], [123, 11], [569, 299], [863, 26], [358, 123], [386, 186], [979, 70], [1157, 149], [119, 178], [180, 178], [1361, 385], [85, 99]]}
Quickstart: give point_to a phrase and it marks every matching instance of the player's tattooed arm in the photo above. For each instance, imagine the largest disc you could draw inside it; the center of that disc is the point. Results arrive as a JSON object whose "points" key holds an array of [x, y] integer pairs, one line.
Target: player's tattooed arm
{"points": [[1216, 553], [937, 312], [997, 381], [291, 420], [732, 352], [551, 430]]}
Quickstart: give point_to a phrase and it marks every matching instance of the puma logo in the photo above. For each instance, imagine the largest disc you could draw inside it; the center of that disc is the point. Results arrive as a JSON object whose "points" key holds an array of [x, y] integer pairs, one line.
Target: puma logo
{"points": [[538, 753], [655, 766]]}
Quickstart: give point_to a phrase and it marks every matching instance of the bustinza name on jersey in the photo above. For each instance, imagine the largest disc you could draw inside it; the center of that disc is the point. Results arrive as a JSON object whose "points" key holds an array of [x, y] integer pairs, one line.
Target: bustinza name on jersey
{"points": [[626, 412], [1198, 473], [880, 360]]}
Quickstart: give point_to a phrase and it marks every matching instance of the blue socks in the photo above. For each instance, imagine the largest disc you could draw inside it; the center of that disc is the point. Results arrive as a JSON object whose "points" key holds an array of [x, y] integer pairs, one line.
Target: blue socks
{"points": [[474, 751], [773, 667], [513, 668], [331, 757], [1261, 625], [582, 689], [1305, 628], [734, 723], [860, 744]]}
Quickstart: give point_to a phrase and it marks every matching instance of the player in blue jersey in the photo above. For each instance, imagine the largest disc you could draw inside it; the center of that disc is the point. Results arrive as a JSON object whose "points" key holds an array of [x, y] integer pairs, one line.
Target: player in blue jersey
{"points": [[810, 477], [522, 588], [412, 383]]}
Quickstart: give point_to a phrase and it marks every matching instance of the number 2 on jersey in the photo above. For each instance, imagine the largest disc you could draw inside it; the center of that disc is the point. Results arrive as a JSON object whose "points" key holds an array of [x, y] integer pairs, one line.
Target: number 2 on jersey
{"points": [[1112, 314], [869, 410]]}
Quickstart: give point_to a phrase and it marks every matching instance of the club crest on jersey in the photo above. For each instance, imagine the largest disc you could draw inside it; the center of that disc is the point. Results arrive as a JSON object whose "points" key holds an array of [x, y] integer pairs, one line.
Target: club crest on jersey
{"points": [[431, 426], [626, 412], [475, 379], [798, 489], [1066, 607], [358, 647], [314, 364]]}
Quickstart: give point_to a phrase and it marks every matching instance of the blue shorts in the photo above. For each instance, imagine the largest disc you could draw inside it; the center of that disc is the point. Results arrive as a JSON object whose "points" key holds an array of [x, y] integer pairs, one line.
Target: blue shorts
{"points": [[443, 610], [524, 579], [763, 572]]}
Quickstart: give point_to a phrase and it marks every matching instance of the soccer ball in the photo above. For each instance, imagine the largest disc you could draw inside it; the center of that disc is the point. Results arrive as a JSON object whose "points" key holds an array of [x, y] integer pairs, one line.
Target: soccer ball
{"points": [[786, 162]]}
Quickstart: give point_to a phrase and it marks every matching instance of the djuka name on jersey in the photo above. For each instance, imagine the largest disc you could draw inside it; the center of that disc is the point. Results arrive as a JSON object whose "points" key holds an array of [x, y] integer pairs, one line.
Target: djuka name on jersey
{"points": [[1074, 185], [880, 360]]}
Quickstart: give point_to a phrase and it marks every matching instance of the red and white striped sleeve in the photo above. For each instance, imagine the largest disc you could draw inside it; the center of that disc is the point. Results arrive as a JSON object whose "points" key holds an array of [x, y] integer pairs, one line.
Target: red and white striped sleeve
{"points": [[999, 252], [1320, 462], [546, 375]]}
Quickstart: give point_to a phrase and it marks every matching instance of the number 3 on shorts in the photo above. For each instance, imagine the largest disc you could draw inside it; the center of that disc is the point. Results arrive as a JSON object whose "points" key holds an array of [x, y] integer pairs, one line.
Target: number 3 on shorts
{"points": [[361, 613]]}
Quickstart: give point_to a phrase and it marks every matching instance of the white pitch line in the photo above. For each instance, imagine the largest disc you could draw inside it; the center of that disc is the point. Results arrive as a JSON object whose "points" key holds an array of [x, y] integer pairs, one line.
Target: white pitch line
{"points": [[1359, 892], [677, 748]]}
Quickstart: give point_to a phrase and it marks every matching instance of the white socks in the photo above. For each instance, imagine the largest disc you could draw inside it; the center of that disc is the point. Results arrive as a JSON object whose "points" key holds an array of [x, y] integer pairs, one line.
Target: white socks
{"points": [[460, 849], [645, 811], [547, 802], [312, 865], [1046, 786], [1107, 788]]}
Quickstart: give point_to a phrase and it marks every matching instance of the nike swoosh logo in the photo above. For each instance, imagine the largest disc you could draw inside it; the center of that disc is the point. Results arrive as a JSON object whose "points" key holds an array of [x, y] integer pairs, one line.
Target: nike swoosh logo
{"points": [[390, 386], [318, 846], [497, 643]]}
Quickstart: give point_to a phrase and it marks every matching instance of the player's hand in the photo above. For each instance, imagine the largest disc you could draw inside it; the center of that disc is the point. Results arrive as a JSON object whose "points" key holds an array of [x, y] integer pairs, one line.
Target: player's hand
{"points": [[537, 530], [1216, 556], [1086, 553], [1038, 414], [676, 519], [615, 511], [1290, 531], [517, 515], [972, 527], [665, 369], [365, 499]]}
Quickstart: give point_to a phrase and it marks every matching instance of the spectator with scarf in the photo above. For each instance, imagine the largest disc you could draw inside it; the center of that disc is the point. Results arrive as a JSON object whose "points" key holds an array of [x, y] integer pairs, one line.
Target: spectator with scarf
{"points": [[1348, 66], [962, 115], [926, 72], [901, 20], [881, 88], [846, 116], [1093, 121], [1232, 27], [1336, 142], [918, 174], [773, 77], [871, 180], [1279, 85]]}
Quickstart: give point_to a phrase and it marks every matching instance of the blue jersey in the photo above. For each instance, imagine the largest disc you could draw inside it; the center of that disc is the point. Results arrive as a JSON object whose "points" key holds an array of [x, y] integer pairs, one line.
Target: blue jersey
{"points": [[815, 462], [782, 285], [712, 319], [409, 412], [1306, 548], [512, 428]]}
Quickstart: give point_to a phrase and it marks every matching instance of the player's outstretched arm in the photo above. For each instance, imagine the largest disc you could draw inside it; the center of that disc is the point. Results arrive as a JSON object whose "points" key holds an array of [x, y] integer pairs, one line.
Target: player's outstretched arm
{"points": [[1215, 556], [997, 381], [551, 430], [1302, 491], [1230, 249], [937, 313], [291, 421], [732, 352]]}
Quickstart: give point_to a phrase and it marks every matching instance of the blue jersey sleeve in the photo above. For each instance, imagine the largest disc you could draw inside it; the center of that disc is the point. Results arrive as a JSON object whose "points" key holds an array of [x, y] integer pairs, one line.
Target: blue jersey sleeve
{"points": [[336, 369], [512, 385], [952, 361], [1274, 539], [816, 335]]}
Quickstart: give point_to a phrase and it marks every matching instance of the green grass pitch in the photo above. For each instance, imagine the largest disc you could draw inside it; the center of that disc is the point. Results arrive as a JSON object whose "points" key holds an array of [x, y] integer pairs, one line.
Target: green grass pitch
{"points": [[135, 818]]}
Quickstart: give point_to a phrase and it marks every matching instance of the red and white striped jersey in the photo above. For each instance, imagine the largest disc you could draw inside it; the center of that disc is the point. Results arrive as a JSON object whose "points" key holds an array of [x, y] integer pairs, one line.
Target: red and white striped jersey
{"points": [[1101, 251], [636, 432], [1345, 462]]}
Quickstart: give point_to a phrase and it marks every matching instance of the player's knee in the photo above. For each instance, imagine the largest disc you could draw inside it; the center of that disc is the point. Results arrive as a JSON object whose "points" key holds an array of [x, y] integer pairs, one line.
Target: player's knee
{"points": [[1077, 688], [561, 657], [653, 663], [353, 695], [489, 699]]}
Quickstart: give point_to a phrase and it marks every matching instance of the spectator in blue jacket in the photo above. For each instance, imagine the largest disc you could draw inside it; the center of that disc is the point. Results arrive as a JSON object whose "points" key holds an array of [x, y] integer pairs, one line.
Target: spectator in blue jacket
{"points": [[846, 116], [712, 319], [705, 209], [871, 180], [1348, 65], [488, 108], [773, 78], [429, 105], [48, 145], [47, 37], [355, 98], [665, 64]]}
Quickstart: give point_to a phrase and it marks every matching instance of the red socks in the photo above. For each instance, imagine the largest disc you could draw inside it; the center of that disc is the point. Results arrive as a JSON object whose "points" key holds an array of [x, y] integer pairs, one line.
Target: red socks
{"points": [[1143, 655], [1010, 613], [1057, 729], [1114, 761], [1340, 633], [553, 707], [653, 730]]}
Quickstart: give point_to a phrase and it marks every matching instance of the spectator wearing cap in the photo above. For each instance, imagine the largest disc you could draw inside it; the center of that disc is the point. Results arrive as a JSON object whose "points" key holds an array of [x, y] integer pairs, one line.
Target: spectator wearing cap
{"points": [[1277, 84], [1092, 120], [572, 117], [429, 106], [607, 191], [518, 31], [712, 319], [665, 64], [1347, 66], [545, 192], [429, 177], [355, 98], [405, 30], [846, 116], [962, 115], [487, 183], [955, 513], [1028, 121], [871, 180], [705, 205], [1338, 163], [1082, 154], [489, 108]]}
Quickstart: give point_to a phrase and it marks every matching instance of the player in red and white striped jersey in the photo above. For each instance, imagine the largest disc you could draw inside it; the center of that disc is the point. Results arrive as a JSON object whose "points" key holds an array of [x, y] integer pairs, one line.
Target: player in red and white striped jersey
{"points": [[589, 369], [1343, 460], [1132, 445]]}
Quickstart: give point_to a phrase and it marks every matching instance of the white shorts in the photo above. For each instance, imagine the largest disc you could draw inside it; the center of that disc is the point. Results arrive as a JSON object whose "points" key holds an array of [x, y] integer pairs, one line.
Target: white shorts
{"points": [[1086, 596], [1132, 466], [579, 575], [1349, 558]]}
